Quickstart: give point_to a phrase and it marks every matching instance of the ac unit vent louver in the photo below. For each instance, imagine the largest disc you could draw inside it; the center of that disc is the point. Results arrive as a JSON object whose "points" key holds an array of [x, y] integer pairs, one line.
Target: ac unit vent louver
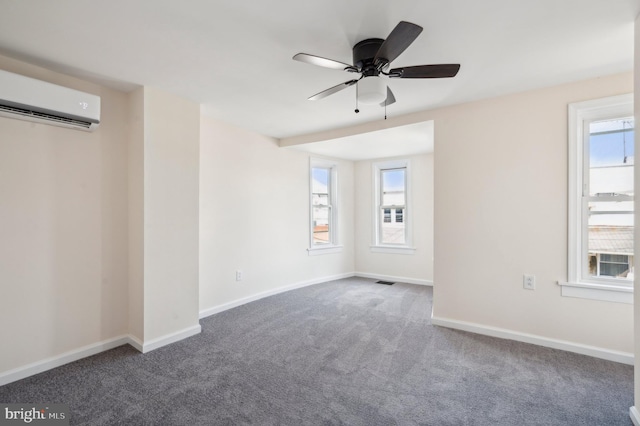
{"points": [[26, 113], [29, 99]]}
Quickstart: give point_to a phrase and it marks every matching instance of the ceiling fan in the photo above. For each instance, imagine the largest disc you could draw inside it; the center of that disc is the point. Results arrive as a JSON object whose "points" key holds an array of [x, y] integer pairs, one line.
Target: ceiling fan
{"points": [[371, 58]]}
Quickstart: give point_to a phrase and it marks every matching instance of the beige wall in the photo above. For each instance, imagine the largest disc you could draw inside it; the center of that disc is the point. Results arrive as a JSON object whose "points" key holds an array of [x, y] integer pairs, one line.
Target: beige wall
{"points": [[98, 231], [136, 214], [63, 230], [501, 212], [171, 211], [417, 267], [254, 216]]}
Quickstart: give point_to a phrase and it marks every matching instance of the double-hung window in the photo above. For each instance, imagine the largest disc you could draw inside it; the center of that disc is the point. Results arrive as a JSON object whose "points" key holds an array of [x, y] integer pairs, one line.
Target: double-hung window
{"points": [[601, 206], [323, 184], [391, 207]]}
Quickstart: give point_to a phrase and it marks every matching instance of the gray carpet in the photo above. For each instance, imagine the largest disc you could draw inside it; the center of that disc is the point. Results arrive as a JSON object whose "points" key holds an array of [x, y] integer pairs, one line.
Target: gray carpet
{"points": [[345, 352]]}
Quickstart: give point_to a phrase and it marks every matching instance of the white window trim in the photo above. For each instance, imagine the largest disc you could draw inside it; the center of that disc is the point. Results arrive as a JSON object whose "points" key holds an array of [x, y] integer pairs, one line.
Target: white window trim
{"points": [[392, 249], [333, 246], [576, 285], [376, 246]]}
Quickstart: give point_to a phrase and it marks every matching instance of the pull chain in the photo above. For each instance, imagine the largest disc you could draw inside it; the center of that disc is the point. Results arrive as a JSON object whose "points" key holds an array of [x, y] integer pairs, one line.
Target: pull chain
{"points": [[357, 110]]}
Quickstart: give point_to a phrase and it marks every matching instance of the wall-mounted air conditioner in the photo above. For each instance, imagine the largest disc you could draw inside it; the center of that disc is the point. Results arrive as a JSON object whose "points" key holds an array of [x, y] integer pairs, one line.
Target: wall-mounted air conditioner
{"points": [[29, 99]]}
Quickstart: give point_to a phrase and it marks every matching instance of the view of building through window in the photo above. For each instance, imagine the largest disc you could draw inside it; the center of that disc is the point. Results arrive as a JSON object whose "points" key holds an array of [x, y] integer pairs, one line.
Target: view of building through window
{"points": [[320, 200], [393, 204], [610, 198]]}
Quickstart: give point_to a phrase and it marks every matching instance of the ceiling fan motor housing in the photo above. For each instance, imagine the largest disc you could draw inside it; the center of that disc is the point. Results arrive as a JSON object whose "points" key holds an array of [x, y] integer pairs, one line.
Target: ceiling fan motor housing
{"points": [[363, 55]]}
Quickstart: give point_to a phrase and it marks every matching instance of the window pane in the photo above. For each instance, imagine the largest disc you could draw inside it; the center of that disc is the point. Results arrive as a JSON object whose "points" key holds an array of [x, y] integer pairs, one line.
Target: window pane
{"points": [[393, 187], [321, 205], [611, 151], [610, 201], [320, 181], [392, 230], [321, 225], [611, 142]]}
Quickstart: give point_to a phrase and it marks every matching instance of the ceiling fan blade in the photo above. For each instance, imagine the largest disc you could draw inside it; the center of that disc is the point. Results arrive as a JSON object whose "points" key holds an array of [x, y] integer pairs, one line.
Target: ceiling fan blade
{"points": [[390, 98], [426, 71], [322, 62], [400, 38], [332, 90]]}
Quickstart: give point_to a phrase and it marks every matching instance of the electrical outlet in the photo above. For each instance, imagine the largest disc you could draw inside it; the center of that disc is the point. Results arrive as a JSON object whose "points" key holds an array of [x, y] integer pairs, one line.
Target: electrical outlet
{"points": [[238, 275], [529, 282]]}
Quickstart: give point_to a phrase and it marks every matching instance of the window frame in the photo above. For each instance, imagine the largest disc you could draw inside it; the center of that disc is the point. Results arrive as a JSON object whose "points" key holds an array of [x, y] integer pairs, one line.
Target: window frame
{"points": [[332, 245], [378, 215], [580, 114]]}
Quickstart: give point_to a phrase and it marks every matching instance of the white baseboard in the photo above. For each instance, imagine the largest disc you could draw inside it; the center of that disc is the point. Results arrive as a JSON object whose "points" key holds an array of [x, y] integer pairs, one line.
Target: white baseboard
{"points": [[93, 349], [144, 347], [169, 338], [136, 343], [238, 302], [610, 355], [394, 279], [635, 416], [62, 359]]}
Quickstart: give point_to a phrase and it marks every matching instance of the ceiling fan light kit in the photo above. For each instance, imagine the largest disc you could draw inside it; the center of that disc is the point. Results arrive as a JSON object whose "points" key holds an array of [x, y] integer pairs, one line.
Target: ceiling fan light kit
{"points": [[371, 59], [371, 91]]}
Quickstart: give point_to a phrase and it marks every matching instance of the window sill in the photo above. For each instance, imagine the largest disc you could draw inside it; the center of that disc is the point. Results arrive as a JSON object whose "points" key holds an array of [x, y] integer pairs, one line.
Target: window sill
{"points": [[393, 249], [316, 251], [604, 292]]}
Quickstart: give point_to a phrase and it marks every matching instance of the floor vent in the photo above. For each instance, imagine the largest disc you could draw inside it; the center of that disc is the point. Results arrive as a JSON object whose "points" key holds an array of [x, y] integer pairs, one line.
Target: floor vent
{"points": [[385, 282]]}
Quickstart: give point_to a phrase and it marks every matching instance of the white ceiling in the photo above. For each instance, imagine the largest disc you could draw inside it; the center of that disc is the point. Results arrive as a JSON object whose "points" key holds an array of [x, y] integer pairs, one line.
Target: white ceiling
{"points": [[235, 57], [406, 140]]}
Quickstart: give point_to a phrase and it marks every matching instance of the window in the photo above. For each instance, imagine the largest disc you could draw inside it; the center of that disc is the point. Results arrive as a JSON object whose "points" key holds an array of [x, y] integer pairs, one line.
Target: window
{"points": [[323, 207], [601, 206], [391, 224], [613, 265]]}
